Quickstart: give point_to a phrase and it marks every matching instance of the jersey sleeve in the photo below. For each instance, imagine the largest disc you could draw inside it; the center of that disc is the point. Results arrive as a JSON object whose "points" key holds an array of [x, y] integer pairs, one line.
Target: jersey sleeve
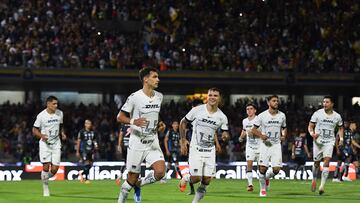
{"points": [[314, 117], [129, 104], [225, 124], [283, 124], [257, 121], [339, 121], [37, 122], [61, 117], [190, 117], [243, 125]]}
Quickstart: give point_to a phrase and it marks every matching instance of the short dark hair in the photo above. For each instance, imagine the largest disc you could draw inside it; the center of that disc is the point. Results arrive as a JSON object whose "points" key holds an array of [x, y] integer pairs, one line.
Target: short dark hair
{"points": [[215, 89], [252, 104], [51, 98], [272, 96], [146, 72], [330, 98]]}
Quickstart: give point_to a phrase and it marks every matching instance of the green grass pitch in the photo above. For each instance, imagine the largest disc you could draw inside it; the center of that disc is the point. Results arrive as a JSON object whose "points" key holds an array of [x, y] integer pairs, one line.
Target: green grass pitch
{"points": [[220, 191]]}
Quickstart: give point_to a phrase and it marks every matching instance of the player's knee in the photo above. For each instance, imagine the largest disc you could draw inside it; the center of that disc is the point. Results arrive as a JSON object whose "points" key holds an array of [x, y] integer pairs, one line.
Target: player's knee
{"points": [[46, 167], [317, 164], [276, 171], [54, 171], [206, 180], [159, 175], [263, 170]]}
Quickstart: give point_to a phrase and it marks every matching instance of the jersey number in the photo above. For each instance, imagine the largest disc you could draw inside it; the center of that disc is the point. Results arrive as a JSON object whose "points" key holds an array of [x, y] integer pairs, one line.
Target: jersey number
{"points": [[273, 135]]}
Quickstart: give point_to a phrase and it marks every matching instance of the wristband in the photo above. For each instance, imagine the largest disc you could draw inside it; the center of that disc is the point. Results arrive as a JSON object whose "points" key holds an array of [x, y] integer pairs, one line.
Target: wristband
{"points": [[132, 121]]}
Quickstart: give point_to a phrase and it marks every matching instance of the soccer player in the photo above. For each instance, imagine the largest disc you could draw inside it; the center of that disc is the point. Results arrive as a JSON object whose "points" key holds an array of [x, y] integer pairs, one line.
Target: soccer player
{"points": [[123, 145], [252, 143], [346, 152], [272, 124], [141, 111], [48, 128], [299, 152], [206, 120], [172, 146], [85, 147], [322, 127], [189, 131]]}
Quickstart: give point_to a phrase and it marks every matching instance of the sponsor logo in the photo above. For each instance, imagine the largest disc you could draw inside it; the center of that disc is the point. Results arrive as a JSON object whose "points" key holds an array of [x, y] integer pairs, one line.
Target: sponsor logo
{"points": [[10, 175], [327, 121], [152, 106], [53, 121], [208, 121], [274, 122]]}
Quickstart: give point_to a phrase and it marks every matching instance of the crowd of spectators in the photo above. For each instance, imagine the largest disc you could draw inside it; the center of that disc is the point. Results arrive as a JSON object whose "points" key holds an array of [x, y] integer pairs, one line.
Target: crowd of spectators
{"points": [[315, 36], [17, 144]]}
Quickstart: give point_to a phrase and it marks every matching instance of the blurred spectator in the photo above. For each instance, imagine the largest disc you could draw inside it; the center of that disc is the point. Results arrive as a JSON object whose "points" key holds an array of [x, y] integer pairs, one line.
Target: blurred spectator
{"points": [[18, 144], [215, 35]]}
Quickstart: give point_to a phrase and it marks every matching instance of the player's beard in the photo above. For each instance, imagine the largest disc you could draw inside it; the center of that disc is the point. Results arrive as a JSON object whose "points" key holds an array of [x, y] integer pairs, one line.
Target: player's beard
{"points": [[275, 108]]}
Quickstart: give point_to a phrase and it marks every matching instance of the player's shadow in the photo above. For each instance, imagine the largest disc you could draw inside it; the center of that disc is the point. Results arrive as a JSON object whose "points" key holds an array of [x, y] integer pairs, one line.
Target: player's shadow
{"points": [[84, 197]]}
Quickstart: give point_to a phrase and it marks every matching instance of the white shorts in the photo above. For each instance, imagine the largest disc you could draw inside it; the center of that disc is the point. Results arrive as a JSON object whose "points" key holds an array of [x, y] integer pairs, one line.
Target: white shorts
{"points": [[135, 157], [252, 154], [271, 154], [323, 151], [202, 161], [50, 153]]}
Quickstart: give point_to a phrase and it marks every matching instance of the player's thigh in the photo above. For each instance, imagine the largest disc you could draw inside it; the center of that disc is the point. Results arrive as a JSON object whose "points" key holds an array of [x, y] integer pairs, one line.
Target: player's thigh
{"points": [[155, 155], [328, 150], [134, 159], [251, 154], [317, 152], [210, 166], [264, 155], [196, 163], [44, 153], [276, 156], [56, 156]]}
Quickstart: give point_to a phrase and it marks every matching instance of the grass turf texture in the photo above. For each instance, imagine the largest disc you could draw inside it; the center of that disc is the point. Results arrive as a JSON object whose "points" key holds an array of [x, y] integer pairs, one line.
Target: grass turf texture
{"points": [[220, 191]]}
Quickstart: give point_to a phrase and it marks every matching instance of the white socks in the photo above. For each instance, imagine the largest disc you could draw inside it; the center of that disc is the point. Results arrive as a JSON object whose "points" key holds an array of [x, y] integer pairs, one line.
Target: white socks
{"points": [[200, 193], [45, 180], [124, 192], [262, 181], [186, 177], [150, 178], [315, 172], [249, 176], [324, 176], [269, 174]]}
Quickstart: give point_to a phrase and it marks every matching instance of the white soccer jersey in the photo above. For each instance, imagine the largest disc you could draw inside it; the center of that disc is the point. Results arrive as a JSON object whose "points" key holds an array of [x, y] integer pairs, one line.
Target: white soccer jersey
{"points": [[205, 125], [49, 124], [325, 125], [251, 141], [140, 105], [271, 125]]}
